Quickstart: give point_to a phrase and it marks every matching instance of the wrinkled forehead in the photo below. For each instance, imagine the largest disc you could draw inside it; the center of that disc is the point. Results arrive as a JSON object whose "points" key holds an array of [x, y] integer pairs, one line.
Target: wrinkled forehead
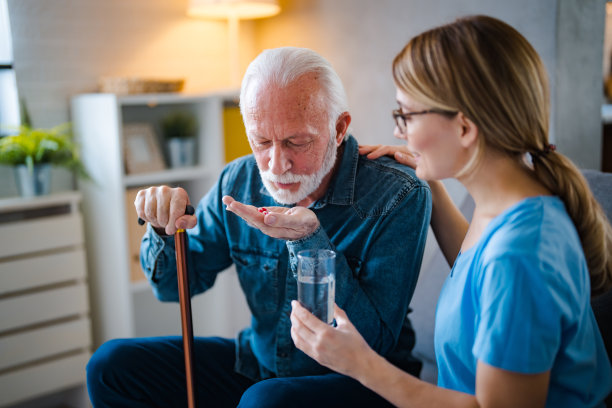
{"points": [[301, 98]]}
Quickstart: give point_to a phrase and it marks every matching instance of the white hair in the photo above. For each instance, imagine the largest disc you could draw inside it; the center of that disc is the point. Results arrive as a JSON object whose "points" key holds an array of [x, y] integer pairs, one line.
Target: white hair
{"points": [[282, 66]]}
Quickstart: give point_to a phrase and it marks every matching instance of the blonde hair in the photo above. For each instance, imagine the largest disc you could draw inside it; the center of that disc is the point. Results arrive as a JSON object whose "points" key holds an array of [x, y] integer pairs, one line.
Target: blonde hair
{"points": [[487, 70]]}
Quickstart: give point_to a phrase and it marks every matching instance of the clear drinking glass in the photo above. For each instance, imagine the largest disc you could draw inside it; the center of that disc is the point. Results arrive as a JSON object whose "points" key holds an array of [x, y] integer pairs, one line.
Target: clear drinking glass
{"points": [[316, 276]]}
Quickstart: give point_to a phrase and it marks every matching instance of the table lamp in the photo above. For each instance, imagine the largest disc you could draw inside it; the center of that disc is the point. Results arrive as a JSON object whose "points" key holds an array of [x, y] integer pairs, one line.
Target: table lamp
{"points": [[233, 11]]}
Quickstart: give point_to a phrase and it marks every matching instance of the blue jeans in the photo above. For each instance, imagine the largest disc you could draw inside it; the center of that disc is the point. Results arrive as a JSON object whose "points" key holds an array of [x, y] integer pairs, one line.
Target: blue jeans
{"points": [[150, 372]]}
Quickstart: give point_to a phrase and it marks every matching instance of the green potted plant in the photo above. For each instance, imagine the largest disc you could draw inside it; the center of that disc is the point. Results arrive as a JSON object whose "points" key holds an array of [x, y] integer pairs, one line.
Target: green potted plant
{"points": [[32, 152], [179, 130]]}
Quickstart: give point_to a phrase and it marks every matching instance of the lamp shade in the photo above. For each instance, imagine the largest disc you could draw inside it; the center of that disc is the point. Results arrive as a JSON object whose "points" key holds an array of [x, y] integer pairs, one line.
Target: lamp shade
{"points": [[241, 9]]}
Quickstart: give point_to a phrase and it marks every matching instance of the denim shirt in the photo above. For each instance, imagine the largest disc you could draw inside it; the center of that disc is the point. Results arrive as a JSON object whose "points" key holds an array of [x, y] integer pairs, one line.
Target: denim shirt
{"points": [[375, 215]]}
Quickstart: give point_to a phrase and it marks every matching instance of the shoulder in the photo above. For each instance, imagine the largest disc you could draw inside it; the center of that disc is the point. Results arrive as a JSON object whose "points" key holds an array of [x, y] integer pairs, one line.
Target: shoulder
{"points": [[536, 235], [384, 184], [239, 169], [537, 225], [240, 177], [390, 170]]}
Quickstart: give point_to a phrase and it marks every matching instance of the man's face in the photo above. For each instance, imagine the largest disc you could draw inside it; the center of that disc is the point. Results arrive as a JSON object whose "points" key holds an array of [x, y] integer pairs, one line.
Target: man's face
{"points": [[288, 130]]}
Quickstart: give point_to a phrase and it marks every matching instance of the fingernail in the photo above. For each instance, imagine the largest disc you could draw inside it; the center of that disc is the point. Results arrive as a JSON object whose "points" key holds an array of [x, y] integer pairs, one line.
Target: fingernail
{"points": [[271, 220]]}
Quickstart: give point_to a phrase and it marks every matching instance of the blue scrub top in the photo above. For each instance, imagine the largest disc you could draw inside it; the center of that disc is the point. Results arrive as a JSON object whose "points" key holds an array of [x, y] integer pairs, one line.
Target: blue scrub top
{"points": [[519, 300]]}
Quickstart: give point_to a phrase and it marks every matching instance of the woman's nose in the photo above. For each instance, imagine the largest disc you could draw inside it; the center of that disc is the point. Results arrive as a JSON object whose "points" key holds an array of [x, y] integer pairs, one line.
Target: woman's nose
{"points": [[398, 134]]}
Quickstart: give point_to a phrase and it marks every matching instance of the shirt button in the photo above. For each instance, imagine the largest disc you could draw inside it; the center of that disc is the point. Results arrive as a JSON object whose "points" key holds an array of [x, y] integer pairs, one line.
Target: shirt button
{"points": [[282, 354]]}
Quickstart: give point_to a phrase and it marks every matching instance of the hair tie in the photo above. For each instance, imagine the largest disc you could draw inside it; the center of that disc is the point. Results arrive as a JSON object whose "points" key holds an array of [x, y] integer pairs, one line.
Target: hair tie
{"points": [[540, 153]]}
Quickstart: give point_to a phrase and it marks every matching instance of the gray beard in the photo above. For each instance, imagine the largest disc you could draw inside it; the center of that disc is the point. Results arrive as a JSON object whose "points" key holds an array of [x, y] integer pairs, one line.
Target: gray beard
{"points": [[308, 182]]}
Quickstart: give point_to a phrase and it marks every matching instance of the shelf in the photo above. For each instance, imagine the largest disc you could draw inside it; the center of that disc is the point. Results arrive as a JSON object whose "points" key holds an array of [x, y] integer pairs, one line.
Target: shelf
{"points": [[167, 176], [170, 98], [122, 308], [22, 203]]}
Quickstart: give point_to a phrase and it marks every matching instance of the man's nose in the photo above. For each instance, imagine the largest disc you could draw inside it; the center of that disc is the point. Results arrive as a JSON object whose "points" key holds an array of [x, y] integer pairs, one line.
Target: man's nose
{"points": [[279, 160]]}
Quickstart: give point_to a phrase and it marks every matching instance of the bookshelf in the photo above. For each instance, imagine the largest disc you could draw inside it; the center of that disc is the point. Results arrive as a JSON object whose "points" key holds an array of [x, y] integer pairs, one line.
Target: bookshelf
{"points": [[122, 301]]}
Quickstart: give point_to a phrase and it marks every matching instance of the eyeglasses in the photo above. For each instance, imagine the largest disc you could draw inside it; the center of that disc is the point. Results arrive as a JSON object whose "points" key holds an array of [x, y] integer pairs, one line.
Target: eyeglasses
{"points": [[401, 117]]}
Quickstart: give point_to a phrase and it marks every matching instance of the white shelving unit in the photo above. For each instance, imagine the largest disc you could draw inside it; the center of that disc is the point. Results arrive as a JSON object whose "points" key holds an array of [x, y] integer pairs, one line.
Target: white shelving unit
{"points": [[122, 307], [45, 330]]}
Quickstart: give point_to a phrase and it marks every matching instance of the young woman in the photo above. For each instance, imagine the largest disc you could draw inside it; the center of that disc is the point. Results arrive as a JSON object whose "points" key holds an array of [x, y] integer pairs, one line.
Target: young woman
{"points": [[514, 326]]}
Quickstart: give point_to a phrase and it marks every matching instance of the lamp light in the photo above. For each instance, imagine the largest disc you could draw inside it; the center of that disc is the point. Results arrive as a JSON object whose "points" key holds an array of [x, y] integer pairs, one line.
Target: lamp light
{"points": [[240, 9], [233, 11]]}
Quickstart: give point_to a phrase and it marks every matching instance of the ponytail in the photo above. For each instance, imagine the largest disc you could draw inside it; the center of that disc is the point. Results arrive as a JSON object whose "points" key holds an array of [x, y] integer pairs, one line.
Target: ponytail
{"points": [[563, 179]]}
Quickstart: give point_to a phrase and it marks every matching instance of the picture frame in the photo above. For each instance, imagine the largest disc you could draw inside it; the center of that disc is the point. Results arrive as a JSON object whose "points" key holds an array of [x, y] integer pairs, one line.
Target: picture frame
{"points": [[142, 152]]}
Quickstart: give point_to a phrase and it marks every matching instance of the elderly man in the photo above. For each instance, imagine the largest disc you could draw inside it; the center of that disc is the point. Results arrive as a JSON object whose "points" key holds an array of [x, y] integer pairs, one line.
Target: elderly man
{"points": [[369, 211]]}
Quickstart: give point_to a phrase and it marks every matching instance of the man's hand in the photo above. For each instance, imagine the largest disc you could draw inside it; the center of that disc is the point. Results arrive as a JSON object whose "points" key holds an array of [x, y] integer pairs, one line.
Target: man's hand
{"points": [[164, 208], [276, 222]]}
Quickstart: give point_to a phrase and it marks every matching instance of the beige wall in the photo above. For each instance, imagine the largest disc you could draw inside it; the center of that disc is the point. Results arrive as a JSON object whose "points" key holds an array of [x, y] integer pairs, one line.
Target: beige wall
{"points": [[62, 47], [361, 37]]}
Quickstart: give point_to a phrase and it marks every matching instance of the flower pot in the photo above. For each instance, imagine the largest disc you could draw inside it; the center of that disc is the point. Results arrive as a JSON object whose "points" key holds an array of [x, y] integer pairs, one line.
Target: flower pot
{"points": [[181, 152], [33, 182]]}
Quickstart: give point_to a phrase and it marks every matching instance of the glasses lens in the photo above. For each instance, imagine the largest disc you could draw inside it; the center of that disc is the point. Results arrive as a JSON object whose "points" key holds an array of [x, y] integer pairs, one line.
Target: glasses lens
{"points": [[400, 122]]}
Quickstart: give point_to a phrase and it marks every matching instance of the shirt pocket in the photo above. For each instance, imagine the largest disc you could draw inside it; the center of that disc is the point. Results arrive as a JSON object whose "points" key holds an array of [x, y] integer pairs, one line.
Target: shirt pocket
{"points": [[258, 276]]}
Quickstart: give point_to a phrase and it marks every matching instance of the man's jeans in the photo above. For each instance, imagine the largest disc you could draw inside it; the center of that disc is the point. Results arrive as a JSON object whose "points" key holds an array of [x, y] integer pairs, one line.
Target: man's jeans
{"points": [[150, 372]]}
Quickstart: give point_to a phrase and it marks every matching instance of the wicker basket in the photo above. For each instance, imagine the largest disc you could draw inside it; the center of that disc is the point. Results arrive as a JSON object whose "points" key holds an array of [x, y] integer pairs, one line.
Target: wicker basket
{"points": [[135, 85]]}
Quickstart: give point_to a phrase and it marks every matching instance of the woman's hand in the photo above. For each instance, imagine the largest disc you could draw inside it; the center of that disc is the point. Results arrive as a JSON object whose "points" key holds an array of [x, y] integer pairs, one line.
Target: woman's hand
{"points": [[340, 348], [400, 153]]}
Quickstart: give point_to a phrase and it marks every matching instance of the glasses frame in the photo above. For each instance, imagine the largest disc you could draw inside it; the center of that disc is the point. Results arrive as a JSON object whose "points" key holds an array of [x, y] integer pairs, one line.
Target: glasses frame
{"points": [[401, 117]]}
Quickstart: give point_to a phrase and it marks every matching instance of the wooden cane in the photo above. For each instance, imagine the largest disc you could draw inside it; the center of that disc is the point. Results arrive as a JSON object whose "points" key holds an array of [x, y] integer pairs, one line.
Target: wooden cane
{"points": [[180, 247]]}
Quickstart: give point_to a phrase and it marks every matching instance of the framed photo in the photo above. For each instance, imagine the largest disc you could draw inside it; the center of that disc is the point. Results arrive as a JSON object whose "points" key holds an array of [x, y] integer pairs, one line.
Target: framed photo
{"points": [[142, 153]]}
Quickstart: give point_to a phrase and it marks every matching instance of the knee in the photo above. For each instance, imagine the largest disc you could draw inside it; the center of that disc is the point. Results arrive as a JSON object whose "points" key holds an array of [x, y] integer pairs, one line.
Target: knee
{"points": [[109, 360], [272, 393]]}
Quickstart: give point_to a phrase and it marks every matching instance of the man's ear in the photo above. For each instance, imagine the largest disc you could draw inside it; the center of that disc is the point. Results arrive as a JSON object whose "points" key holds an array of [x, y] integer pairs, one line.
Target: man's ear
{"points": [[468, 131], [342, 124]]}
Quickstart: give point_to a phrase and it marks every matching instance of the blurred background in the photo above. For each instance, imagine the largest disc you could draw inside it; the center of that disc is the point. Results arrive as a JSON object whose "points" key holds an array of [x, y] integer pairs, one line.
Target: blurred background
{"points": [[56, 55]]}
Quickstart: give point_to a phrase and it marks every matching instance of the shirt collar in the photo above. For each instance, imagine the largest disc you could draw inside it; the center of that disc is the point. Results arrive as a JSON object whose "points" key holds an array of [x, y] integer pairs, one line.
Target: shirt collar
{"points": [[342, 187]]}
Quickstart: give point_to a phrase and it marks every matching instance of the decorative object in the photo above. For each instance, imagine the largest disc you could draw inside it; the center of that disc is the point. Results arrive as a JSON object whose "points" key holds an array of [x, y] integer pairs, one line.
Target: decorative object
{"points": [[32, 152], [142, 152], [179, 129], [233, 11], [136, 85], [35, 181]]}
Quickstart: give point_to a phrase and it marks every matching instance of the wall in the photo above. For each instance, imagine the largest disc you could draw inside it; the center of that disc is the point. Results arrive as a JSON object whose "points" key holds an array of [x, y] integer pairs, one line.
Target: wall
{"points": [[62, 47], [577, 83], [360, 39]]}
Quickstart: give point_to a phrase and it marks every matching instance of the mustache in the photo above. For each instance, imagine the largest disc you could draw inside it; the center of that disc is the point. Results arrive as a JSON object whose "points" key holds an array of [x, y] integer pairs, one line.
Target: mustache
{"points": [[286, 178]]}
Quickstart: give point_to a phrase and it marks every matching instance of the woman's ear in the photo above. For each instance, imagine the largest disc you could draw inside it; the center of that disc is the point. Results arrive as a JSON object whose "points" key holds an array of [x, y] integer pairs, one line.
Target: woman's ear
{"points": [[468, 131]]}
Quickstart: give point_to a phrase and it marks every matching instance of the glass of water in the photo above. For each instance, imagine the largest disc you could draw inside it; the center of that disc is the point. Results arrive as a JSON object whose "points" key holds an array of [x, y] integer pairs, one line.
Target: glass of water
{"points": [[316, 276]]}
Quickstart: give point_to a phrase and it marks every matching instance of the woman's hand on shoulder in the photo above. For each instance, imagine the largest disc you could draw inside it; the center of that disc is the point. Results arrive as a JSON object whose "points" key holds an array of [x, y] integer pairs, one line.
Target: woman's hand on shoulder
{"points": [[400, 153]]}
